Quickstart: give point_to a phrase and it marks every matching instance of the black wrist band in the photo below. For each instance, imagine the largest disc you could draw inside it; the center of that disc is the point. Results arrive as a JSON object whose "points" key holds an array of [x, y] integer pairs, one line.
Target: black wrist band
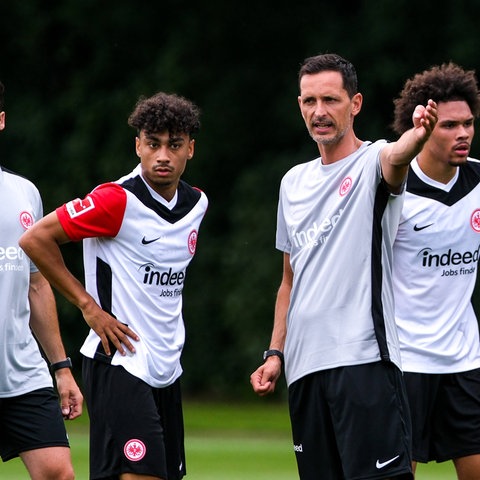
{"points": [[67, 363], [270, 353]]}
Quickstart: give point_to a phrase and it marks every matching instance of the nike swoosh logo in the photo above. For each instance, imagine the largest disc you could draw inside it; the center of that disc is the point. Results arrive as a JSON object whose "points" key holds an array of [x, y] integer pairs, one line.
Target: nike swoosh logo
{"points": [[146, 242], [417, 228], [384, 464]]}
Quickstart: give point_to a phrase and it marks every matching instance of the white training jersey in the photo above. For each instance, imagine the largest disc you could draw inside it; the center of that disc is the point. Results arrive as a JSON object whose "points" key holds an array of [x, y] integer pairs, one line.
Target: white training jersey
{"points": [[136, 252], [435, 267], [338, 223], [22, 367]]}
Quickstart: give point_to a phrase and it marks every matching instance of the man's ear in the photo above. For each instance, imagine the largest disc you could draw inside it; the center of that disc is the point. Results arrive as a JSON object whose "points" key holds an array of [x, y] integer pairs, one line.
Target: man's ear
{"points": [[137, 145], [191, 149], [357, 101]]}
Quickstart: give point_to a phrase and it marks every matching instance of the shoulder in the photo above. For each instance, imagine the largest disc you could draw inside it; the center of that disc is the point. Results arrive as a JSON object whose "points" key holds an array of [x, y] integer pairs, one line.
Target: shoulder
{"points": [[191, 195], [188, 189], [108, 195], [470, 171], [370, 150], [108, 188], [473, 164], [15, 178], [107, 198], [300, 170]]}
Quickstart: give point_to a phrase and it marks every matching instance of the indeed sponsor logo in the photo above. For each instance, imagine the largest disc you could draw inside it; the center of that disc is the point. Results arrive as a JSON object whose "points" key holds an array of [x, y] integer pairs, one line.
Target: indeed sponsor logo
{"points": [[11, 253], [172, 281], [152, 276], [11, 259], [448, 258], [317, 233], [298, 448]]}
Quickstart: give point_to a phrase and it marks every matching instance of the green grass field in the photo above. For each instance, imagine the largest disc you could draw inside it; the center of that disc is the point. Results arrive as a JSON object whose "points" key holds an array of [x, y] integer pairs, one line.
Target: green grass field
{"points": [[224, 442]]}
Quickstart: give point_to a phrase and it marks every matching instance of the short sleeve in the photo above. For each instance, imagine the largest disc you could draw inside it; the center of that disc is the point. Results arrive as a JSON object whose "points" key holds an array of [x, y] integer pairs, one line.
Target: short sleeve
{"points": [[99, 214]]}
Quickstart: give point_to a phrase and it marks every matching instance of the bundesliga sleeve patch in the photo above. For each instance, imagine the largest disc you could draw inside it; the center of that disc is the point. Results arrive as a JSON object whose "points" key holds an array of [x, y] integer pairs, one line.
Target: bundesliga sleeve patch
{"points": [[78, 207], [99, 214]]}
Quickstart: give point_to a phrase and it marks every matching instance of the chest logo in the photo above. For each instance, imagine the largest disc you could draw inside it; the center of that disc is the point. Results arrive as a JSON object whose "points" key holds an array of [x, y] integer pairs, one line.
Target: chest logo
{"points": [[345, 186], [417, 228], [26, 220], [192, 241], [475, 220], [150, 240]]}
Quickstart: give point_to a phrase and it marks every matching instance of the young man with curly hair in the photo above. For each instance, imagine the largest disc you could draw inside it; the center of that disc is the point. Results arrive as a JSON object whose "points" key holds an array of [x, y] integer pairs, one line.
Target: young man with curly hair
{"points": [[139, 235], [436, 255]]}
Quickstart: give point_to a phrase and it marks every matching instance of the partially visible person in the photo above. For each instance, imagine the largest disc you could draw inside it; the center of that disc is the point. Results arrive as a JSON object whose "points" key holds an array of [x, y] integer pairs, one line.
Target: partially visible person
{"points": [[334, 321], [31, 414], [139, 235], [436, 255]]}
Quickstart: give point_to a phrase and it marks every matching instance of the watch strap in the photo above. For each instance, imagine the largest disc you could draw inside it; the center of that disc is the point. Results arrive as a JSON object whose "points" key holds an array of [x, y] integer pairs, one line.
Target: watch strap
{"points": [[273, 352], [67, 363]]}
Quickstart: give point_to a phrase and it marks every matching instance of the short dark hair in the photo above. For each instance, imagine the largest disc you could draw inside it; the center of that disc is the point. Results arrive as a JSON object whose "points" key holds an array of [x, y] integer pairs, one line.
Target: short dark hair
{"points": [[2, 97], [331, 62], [165, 112], [442, 83]]}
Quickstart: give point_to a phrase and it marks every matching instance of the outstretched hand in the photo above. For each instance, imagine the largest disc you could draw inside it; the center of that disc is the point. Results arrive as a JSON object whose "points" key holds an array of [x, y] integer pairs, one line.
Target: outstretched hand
{"points": [[424, 120]]}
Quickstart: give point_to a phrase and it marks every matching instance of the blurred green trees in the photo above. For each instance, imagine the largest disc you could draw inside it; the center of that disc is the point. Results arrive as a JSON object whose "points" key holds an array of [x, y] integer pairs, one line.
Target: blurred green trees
{"points": [[74, 71]]}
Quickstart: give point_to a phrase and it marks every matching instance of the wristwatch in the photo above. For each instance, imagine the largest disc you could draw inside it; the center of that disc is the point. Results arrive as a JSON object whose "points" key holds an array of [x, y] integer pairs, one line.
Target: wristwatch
{"points": [[271, 353], [67, 363]]}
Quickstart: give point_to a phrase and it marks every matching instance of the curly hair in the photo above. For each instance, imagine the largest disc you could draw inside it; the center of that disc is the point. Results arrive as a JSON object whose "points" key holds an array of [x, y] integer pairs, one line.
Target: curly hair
{"points": [[165, 112], [331, 62], [445, 83]]}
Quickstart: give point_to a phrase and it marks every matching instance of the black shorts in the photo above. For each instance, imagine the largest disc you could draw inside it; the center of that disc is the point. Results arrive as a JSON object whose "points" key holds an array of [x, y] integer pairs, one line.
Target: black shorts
{"points": [[31, 421], [134, 428], [351, 423], [445, 412]]}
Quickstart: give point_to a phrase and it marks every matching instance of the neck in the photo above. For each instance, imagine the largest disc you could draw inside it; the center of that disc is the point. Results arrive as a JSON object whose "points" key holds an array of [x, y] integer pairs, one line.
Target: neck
{"points": [[438, 171], [338, 151]]}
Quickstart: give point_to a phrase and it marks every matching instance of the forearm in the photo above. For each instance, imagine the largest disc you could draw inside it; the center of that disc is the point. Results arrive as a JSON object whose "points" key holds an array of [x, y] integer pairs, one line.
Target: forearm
{"points": [[42, 244], [45, 326], [279, 330], [400, 153], [63, 280], [282, 304], [395, 157], [44, 318]]}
